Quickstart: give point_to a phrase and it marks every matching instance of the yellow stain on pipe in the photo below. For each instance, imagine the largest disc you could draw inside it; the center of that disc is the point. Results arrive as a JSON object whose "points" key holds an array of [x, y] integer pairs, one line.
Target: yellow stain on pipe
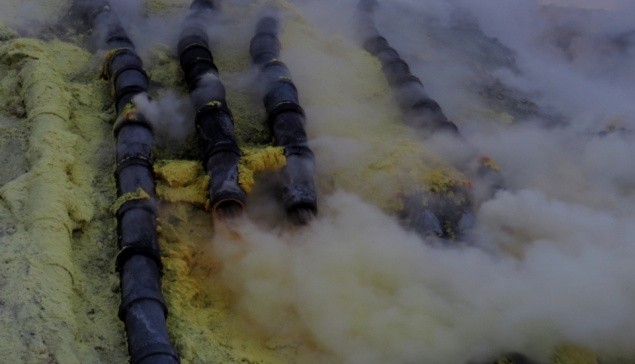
{"points": [[139, 194]]}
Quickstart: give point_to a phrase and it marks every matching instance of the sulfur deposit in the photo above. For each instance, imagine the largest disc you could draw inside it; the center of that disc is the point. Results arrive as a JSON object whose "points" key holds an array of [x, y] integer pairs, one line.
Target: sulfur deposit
{"points": [[59, 288]]}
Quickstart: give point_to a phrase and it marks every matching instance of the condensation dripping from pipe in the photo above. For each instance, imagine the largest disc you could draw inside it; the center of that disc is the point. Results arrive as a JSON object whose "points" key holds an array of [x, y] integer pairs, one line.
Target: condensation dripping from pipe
{"points": [[143, 308]]}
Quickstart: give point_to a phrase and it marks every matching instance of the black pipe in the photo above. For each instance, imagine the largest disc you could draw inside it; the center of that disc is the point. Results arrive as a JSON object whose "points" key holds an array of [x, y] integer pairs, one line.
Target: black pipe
{"points": [[143, 308], [213, 119], [424, 113], [286, 120], [421, 110]]}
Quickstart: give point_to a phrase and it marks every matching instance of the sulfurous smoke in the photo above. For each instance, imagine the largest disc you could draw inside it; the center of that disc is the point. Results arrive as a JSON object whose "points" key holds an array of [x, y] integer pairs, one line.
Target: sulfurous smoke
{"points": [[551, 255]]}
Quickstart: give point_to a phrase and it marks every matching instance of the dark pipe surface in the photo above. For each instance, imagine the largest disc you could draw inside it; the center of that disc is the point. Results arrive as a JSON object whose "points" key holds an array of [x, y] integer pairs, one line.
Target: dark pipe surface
{"points": [[214, 121], [421, 110], [286, 120], [143, 308]]}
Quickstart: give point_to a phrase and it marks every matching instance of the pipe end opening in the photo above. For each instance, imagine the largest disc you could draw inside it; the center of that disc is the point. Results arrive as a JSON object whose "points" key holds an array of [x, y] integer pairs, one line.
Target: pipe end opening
{"points": [[301, 214], [228, 209]]}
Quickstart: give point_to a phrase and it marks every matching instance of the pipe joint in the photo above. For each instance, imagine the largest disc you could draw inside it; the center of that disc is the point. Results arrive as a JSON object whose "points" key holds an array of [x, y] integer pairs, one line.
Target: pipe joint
{"points": [[142, 294], [138, 154], [264, 47], [211, 110], [387, 55], [119, 58], [192, 34], [284, 107], [299, 150], [135, 175], [132, 250], [376, 44], [132, 119], [275, 69], [280, 92], [150, 350], [404, 80]]}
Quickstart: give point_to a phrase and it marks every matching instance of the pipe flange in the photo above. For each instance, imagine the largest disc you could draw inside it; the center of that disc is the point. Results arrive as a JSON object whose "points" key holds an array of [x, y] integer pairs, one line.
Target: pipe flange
{"points": [[141, 295], [285, 106], [144, 249]]}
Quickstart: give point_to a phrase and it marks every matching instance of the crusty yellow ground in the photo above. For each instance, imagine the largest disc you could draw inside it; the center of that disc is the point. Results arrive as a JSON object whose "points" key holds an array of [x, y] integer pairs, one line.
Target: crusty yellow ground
{"points": [[59, 291], [570, 354]]}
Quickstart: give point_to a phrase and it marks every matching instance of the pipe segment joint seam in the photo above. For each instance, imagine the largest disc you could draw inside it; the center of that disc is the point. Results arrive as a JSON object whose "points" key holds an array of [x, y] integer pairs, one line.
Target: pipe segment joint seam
{"points": [[118, 38], [211, 108], [131, 90], [276, 86], [404, 80], [284, 107], [274, 68], [299, 150], [141, 295], [394, 62], [212, 75], [257, 49], [131, 67], [376, 44], [152, 350], [138, 248], [146, 247], [108, 73], [196, 42], [138, 160], [134, 119]]}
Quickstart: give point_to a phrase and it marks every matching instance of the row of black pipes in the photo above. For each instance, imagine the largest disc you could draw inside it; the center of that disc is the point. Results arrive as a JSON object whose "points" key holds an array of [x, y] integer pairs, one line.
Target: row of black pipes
{"points": [[215, 124], [143, 308]]}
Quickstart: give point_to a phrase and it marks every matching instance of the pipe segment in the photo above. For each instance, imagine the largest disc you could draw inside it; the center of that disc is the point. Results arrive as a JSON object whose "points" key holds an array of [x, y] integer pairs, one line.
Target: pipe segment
{"points": [[143, 308], [214, 121], [425, 114], [421, 110], [286, 119]]}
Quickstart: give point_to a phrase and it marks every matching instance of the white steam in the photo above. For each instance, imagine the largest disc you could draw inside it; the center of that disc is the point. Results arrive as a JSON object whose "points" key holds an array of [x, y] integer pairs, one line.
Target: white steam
{"points": [[369, 292], [553, 256], [171, 116]]}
